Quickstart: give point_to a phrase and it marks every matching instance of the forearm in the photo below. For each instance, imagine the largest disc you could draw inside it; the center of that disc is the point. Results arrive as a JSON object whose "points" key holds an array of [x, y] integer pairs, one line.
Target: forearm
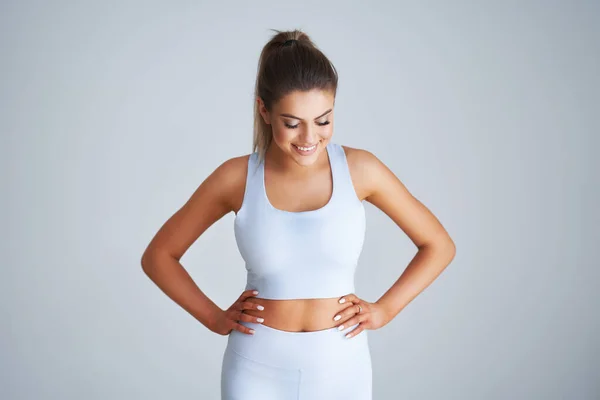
{"points": [[424, 268], [173, 279]]}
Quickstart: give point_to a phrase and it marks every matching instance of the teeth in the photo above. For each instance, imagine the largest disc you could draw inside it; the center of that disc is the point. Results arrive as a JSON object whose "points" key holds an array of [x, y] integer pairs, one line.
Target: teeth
{"points": [[306, 148]]}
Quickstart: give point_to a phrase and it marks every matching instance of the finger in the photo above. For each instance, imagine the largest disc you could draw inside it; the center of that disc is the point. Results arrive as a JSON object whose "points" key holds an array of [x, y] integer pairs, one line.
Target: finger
{"points": [[243, 329], [247, 293], [347, 312], [248, 305], [351, 297], [352, 321], [234, 314], [250, 318], [358, 309], [355, 331]]}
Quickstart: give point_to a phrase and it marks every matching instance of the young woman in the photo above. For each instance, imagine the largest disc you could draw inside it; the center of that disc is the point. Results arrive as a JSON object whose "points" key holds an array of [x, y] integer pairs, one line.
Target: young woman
{"points": [[298, 331]]}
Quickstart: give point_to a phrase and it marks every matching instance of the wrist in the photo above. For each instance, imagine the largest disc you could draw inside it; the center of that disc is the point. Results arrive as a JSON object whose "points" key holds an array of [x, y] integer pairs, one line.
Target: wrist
{"points": [[388, 310], [213, 317]]}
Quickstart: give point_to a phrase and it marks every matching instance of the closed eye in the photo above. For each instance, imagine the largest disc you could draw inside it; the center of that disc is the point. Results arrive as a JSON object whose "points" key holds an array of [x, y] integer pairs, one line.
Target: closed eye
{"points": [[318, 123]]}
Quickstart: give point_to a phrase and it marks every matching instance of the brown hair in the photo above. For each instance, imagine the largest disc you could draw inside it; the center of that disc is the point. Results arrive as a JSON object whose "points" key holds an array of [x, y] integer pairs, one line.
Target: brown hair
{"points": [[290, 61]]}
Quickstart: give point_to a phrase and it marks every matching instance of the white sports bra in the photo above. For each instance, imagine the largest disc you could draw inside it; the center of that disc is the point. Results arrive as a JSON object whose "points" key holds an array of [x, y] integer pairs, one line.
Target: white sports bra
{"points": [[305, 254]]}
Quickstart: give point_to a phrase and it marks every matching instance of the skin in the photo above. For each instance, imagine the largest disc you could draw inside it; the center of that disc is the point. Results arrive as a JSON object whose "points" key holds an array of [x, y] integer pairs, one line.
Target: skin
{"points": [[298, 183]]}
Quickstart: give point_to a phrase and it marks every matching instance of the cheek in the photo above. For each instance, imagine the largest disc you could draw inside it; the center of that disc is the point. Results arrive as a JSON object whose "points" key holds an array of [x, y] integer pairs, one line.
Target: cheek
{"points": [[282, 134], [327, 130]]}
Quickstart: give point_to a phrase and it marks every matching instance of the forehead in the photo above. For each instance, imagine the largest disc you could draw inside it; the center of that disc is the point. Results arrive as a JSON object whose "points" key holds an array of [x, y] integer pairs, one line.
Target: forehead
{"points": [[306, 105]]}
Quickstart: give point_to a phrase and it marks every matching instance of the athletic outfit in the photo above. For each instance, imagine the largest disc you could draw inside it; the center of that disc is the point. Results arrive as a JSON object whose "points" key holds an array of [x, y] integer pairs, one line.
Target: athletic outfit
{"points": [[299, 255]]}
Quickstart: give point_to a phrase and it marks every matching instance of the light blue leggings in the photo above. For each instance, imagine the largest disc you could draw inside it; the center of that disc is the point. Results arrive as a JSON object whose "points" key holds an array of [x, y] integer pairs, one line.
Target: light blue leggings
{"points": [[273, 364]]}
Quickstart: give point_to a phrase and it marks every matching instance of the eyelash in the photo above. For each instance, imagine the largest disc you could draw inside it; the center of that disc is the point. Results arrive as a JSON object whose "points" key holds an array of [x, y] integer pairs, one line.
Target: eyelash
{"points": [[295, 126]]}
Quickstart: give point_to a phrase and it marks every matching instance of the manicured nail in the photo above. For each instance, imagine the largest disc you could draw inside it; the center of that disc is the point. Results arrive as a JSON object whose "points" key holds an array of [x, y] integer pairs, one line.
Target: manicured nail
{"points": [[260, 319], [252, 331], [340, 327], [349, 335], [255, 292], [260, 307], [337, 317], [342, 301]]}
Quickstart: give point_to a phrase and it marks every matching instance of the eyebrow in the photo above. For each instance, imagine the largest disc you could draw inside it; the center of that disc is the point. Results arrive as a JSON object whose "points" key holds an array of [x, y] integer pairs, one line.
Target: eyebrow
{"points": [[294, 117]]}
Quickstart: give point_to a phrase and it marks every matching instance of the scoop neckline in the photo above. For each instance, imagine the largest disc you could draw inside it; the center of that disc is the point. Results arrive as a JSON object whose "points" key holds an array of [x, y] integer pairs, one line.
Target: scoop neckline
{"points": [[306, 212]]}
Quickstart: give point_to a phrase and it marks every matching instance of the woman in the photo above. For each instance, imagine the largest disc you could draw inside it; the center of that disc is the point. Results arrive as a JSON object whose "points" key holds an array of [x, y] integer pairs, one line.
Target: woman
{"points": [[298, 331]]}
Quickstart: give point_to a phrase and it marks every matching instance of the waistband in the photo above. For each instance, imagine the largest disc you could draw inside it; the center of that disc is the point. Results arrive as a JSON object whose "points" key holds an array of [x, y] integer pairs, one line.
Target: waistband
{"points": [[304, 350]]}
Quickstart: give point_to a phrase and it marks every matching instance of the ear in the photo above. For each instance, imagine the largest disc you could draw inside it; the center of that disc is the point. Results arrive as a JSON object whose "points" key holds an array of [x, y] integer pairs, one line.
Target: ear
{"points": [[263, 111]]}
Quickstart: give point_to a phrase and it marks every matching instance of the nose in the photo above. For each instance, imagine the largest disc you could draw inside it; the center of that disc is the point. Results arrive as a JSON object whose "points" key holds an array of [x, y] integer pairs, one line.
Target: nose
{"points": [[309, 135]]}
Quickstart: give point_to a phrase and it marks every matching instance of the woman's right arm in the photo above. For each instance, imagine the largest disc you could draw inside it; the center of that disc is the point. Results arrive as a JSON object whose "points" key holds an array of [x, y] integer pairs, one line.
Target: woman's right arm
{"points": [[220, 193]]}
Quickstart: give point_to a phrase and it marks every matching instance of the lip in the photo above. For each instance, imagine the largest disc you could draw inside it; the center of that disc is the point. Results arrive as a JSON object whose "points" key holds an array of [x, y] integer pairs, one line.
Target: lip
{"points": [[305, 145], [306, 153]]}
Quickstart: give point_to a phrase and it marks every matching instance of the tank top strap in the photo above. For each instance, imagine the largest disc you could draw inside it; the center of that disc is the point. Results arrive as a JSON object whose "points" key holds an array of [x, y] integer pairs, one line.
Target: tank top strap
{"points": [[252, 191], [253, 166], [344, 187]]}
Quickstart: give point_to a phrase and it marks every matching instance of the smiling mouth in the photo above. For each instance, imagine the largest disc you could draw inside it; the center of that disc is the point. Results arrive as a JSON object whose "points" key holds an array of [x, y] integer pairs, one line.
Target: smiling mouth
{"points": [[305, 148]]}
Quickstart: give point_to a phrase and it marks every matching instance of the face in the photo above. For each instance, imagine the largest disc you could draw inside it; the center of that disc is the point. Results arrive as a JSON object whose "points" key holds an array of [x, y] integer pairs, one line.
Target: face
{"points": [[302, 124]]}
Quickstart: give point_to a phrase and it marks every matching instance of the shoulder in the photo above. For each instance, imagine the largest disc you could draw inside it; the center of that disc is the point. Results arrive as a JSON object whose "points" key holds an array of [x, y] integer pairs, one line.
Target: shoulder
{"points": [[365, 169], [225, 184], [362, 162], [360, 157], [233, 168], [230, 178], [232, 172]]}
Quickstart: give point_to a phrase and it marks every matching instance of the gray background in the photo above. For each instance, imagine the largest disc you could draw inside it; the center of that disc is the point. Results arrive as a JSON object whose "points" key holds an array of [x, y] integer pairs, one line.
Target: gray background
{"points": [[112, 114]]}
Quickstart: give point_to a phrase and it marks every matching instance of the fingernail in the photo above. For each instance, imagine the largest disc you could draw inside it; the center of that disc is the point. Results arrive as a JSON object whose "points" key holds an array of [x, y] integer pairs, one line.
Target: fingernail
{"points": [[252, 331], [255, 292], [349, 335], [342, 301], [260, 307], [337, 317], [260, 319], [340, 327]]}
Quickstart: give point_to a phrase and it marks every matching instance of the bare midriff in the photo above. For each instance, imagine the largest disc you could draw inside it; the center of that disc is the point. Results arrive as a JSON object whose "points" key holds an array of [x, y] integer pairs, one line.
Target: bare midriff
{"points": [[298, 315]]}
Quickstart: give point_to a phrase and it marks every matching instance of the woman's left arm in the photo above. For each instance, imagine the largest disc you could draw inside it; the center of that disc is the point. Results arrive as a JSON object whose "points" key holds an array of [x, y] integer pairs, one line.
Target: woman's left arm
{"points": [[378, 185]]}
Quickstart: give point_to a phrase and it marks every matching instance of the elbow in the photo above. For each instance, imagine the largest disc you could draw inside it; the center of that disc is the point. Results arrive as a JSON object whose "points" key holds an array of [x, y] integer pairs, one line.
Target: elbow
{"points": [[452, 250], [154, 257], [449, 248], [443, 246], [147, 260]]}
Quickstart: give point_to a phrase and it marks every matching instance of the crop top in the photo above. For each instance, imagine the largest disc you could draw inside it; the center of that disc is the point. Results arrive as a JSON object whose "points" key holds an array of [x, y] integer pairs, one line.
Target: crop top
{"points": [[304, 254]]}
